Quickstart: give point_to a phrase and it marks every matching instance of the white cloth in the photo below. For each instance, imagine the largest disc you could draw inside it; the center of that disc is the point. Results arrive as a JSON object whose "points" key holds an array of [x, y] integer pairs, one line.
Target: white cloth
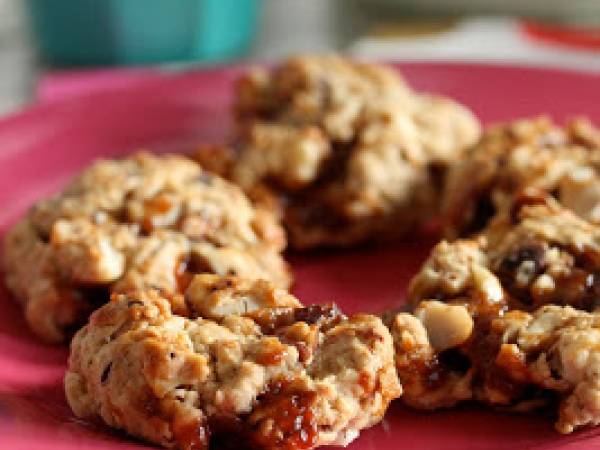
{"points": [[486, 39]]}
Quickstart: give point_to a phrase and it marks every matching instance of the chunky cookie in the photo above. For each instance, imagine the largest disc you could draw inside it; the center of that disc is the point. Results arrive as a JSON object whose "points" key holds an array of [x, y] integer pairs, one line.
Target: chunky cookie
{"points": [[547, 359], [565, 162], [353, 153], [470, 298], [248, 367], [556, 350], [144, 221], [534, 253]]}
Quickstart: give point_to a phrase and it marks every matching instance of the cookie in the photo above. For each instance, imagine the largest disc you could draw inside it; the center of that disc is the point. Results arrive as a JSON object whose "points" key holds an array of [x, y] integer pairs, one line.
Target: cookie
{"points": [[546, 360], [133, 223], [477, 304], [248, 366], [555, 349], [352, 152], [563, 161], [544, 253], [534, 253]]}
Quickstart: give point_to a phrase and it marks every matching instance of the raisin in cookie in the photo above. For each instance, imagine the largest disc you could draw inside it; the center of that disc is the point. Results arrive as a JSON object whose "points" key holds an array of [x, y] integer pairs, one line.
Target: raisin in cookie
{"points": [[133, 223], [564, 162], [249, 366], [354, 154]]}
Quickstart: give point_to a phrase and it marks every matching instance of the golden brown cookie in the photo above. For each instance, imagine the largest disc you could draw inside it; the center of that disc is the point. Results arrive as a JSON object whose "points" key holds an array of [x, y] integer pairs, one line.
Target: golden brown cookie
{"points": [[352, 152], [562, 161], [248, 367], [144, 221], [523, 361], [507, 318]]}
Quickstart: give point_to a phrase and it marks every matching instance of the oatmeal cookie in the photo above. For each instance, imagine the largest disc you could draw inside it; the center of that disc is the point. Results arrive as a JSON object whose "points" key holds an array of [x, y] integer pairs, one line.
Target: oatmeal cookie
{"points": [[563, 161], [353, 153], [249, 367], [556, 349], [543, 253], [534, 254], [548, 359], [133, 223]]}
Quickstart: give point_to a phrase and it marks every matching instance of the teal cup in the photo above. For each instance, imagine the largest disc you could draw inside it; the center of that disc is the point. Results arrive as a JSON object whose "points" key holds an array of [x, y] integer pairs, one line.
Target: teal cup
{"points": [[134, 32]]}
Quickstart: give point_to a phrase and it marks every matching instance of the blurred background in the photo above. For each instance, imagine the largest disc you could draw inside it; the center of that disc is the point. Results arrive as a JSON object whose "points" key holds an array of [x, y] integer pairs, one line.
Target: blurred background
{"points": [[49, 47]]}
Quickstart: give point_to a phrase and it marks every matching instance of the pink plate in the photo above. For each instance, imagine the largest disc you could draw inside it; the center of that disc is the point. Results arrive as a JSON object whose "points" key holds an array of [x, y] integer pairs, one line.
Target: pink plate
{"points": [[42, 147]]}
